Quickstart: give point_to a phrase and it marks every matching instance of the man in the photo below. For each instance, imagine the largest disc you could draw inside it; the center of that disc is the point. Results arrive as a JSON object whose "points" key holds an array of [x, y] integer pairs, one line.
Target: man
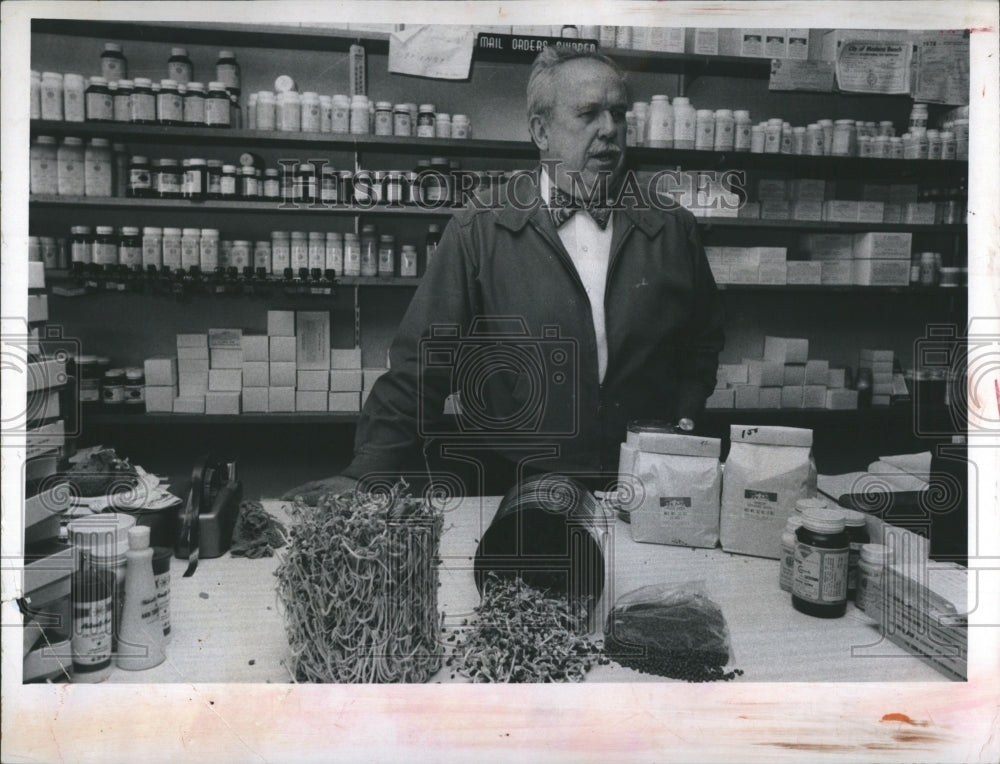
{"points": [[626, 290]]}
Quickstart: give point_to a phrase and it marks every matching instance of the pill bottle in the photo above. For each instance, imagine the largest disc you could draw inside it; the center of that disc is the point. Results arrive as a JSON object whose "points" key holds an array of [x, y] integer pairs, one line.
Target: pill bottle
{"points": [[896, 147], [442, 125], [179, 67], [43, 166], [74, 102], [98, 170], [872, 564], [369, 251], [334, 252], [461, 128], [684, 123], [359, 115], [194, 104], [918, 116], [195, 184], [90, 375], [289, 112], [70, 165], [822, 549], [227, 70], [425, 121], [217, 106], [814, 140], [788, 542], [933, 144], [401, 120], [316, 256], [383, 118], [741, 130], [190, 248], [172, 246], [305, 183], [249, 186], [865, 147], [123, 101], [239, 255], [168, 180], [266, 118], [329, 180], [272, 184], [660, 127], [299, 251], [105, 249], [152, 247], [948, 145], [81, 244], [113, 388], [798, 140], [886, 128], [921, 142], [262, 256], [135, 393], [208, 249], [35, 110], [725, 126], [961, 129], [51, 96], [281, 251], [169, 104], [828, 129], [100, 103], [114, 66], [880, 147], [310, 121], [143, 102], [772, 136], [341, 117], [352, 255], [857, 534], [704, 130], [386, 255], [641, 111], [393, 190], [844, 138]]}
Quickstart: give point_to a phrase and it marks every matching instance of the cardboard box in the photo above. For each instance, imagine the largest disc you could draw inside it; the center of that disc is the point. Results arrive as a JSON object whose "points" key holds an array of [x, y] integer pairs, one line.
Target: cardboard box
{"points": [[892, 213], [702, 41], [871, 212], [841, 211], [807, 210], [370, 375], [764, 373], [38, 308], [919, 213], [767, 255], [775, 43], [36, 275], [346, 381], [772, 273], [829, 246], [282, 349], [837, 272], [795, 374], [721, 273], [189, 404], [192, 384], [798, 44], [770, 397], [881, 400], [312, 335], [841, 399], [160, 398], [160, 371], [746, 397], [225, 338], [311, 400], [791, 397], [786, 350], [225, 358], [227, 404], [721, 399], [191, 353], [770, 189], [281, 323], [883, 245], [836, 378], [345, 401], [280, 399], [193, 341], [313, 380], [882, 272], [808, 189], [255, 347], [733, 373], [741, 256], [749, 210], [817, 372], [665, 39], [740, 273], [225, 380], [256, 374], [804, 272], [282, 374], [192, 366], [814, 397], [883, 389], [255, 399], [775, 209], [752, 43]]}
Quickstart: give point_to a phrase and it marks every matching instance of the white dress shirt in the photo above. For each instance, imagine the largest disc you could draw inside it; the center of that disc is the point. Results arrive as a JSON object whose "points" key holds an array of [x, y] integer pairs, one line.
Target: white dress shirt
{"points": [[590, 249]]}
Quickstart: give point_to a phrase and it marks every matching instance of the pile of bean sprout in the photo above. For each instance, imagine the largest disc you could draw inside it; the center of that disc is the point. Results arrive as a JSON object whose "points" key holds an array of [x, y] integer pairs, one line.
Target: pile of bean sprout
{"points": [[358, 584]]}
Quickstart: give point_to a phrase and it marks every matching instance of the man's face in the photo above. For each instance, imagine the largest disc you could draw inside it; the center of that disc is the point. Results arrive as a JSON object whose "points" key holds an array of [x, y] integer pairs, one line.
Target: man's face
{"points": [[586, 129]]}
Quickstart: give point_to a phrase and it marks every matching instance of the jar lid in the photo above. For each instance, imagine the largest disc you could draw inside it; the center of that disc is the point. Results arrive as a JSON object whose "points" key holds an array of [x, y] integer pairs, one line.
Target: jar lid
{"points": [[129, 230], [383, 105], [284, 83], [409, 248], [947, 135], [52, 76], [895, 139], [143, 82], [386, 237], [100, 142], [215, 164], [876, 553], [358, 99], [704, 113], [113, 86], [241, 243], [443, 117], [317, 235], [105, 230], [265, 95], [844, 122], [724, 113], [210, 232], [401, 107], [216, 86], [427, 107], [341, 99], [853, 518], [167, 163], [248, 171], [741, 114], [325, 100], [133, 372], [192, 232], [151, 230], [810, 503], [80, 229], [793, 522], [822, 520], [350, 236], [45, 139], [229, 168], [660, 97], [327, 170], [305, 167], [35, 75], [167, 231], [334, 235], [310, 95], [298, 234], [178, 51], [368, 228], [681, 101], [799, 130], [196, 162], [270, 173], [114, 47], [813, 126], [226, 54], [70, 140], [111, 373], [102, 535], [122, 84], [279, 234], [775, 121], [195, 87]]}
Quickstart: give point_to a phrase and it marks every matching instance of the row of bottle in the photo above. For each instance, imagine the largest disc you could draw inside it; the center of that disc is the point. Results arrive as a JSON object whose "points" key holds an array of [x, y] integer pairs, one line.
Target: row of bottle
{"points": [[184, 249], [114, 66]]}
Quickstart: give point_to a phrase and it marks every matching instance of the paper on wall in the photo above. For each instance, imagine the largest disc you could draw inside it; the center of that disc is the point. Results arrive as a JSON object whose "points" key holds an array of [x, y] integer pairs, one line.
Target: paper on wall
{"points": [[943, 71], [438, 51], [788, 74], [874, 66]]}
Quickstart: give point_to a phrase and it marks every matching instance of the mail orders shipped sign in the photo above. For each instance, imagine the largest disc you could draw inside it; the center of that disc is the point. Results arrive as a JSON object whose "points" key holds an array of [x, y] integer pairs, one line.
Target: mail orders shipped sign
{"points": [[515, 47]]}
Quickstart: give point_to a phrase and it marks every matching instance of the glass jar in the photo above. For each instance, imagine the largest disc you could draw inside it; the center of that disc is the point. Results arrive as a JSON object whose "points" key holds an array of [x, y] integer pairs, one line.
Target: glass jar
{"points": [[265, 111], [217, 106], [74, 103], [208, 249], [70, 166], [335, 252], [400, 120], [169, 104], [227, 70], [281, 251], [352, 255], [100, 103], [143, 102], [262, 256], [123, 101], [408, 261], [105, 250], [140, 177], [310, 119], [195, 184], [272, 184], [819, 582], [369, 251], [179, 67], [299, 251], [114, 66], [190, 248], [99, 171], [228, 186], [194, 104], [51, 96], [340, 121], [135, 387], [152, 247], [113, 388], [239, 255], [168, 179], [43, 163], [89, 374], [35, 110], [425, 121], [81, 244], [172, 248], [248, 183], [305, 183], [384, 118], [130, 248], [386, 255], [317, 251], [393, 191], [214, 175]]}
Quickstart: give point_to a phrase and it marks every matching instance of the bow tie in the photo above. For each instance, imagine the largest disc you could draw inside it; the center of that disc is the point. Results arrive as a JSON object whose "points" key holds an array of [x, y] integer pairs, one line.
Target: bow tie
{"points": [[562, 207]]}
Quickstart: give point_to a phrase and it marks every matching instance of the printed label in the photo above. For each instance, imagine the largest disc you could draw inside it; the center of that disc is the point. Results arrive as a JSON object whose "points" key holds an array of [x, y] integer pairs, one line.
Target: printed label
{"points": [[91, 640], [300, 256], [674, 507], [760, 503], [820, 574]]}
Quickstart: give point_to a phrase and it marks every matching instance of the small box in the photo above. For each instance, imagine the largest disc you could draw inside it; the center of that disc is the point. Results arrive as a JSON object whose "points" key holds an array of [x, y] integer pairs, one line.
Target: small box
{"points": [[752, 43], [346, 380], [192, 365], [764, 373], [192, 341], [741, 256], [798, 44], [888, 245], [841, 399], [255, 400], [807, 210], [312, 335], [771, 189], [256, 374], [892, 212], [733, 373], [883, 389], [881, 400], [313, 380], [877, 368], [160, 398], [370, 375], [280, 399], [345, 401], [817, 372], [225, 358], [225, 380], [192, 353], [903, 193], [836, 378], [772, 273], [192, 384], [770, 397], [804, 272], [749, 210], [721, 399], [775, 209], [918, 213], [875, 192], [841, 211], [837, 272], [226, 404], [189, 404], [311, 400], [255, 347], [808, 190], [282, 349], [814, 397], [282, 374], [795, 374], [882, 378], [775, 43], [720, 272], [225, 338], [786, 350], [876, 355], [160, 371], [771, 254], [882, 272], [702, 41], [36, 275], [281, 323], [871, 212], [829, 246], [740, 273], [746, 397], [791, 397]]}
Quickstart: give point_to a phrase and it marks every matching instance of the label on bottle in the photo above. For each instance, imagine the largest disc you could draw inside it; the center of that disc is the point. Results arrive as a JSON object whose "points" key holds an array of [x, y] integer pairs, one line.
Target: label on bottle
{"points": [[162, 582], [209, 255], [170, 107], [129, 255], [123, 108], [143, 107], [91, 640], [73, 105], [97, 177], [317, 256], [112, 68], [217, 111], [352, 260], [383, 122], [820, 574], [401, 124], [787, 567], [100, 106], [190, 255], [386, 261], [43, 176], [105, 253], [853, 556], [300, 255], [282, 257], [192, 182], [179, 71], [81, 252], [408, 263], [335, 257]]}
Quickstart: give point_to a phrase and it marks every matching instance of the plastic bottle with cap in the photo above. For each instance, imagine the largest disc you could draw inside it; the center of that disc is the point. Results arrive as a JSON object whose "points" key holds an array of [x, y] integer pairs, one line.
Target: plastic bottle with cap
{"points": [[179, 67], [140, 638], [114, 67]]}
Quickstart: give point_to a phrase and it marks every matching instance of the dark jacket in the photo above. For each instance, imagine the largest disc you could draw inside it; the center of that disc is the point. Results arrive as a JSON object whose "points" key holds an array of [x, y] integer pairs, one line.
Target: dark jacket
{"points": [[496, 268]]}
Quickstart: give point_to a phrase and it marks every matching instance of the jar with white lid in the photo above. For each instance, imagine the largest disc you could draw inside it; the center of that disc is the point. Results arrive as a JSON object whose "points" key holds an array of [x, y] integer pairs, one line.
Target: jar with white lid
{"points": [[741, 130], [281, 252], [660, 126], [105, 249], [143, 102], [208, 249], [169, 104], [249, 186], [227, 70], [81, 244], [74, 105], [51, 96], [798, 140], [772, 136], [921, 142], [152, 247], [880, 146], [948, 146], [442, 125], [827, 126], [386, 255], [122, 101], [425, 121], [262, 256], [705, 129], [685, 120], [814, 140], [865, 146], [252, 112], [933, 144], [310, 121], [266, 115], [98, 171], [341, 118], [43, 177], [114, 66], [872, 565], [334, 251], [71, 167], [918, 116], [271, 185], [401, 120], [172, 247], [317, 251], [100, 104], [194, 104], [822, 549], [289, 112], [239, 255], [895, 147], [359, 115], [845, 138], [218, 106], [758, 139], [130, 248], [179, 67], [460, 126], [190, 248], [725, 127], [325, 114], [299, 251], [383, 118]]}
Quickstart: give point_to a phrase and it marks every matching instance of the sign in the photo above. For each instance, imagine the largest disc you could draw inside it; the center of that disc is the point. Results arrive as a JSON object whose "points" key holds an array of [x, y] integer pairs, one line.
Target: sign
{"points": [[515, 47], [438, 51], [788, 74], [943, 70], [874, 66]]}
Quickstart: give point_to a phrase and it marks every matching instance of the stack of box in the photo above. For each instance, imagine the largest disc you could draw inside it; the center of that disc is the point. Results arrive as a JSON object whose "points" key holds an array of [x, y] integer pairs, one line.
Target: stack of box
{"points": [[764, 43], [160, 373], [256, 372], [814, 199], [281, 361], [312, 360], [879, 363], [225, 371], [192, 373], [785, 378], [864, 259], [347, 388], [748, 265]]}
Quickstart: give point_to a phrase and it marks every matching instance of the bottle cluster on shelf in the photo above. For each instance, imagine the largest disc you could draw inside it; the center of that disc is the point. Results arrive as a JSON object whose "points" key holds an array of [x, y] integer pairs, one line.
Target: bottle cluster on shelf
{"points": [[70, 168], [177, 99]]}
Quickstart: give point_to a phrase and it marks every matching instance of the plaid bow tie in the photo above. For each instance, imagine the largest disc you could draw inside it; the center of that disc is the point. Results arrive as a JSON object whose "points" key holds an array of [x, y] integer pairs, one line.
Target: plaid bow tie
{"points": [[562, 207]]}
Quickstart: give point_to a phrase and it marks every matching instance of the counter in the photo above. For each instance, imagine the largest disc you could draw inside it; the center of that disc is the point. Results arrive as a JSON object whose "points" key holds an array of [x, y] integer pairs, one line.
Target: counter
{"points": [[227, 625]]}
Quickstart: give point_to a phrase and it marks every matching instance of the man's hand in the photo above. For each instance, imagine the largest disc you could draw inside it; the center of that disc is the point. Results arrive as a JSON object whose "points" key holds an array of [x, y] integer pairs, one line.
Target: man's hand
{"points": [[311, 491]]}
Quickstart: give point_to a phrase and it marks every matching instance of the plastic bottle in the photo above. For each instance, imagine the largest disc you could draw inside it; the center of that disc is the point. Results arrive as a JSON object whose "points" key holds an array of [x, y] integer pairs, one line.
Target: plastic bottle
{"points": [[704, 130], [311, 119], [99, 170], [123, 101], [169, 104], [74, 106], [44, 174], [725, 130], [660, 127], [872, 563], [227, 70], [217, 106], [51, 90], [172, 247], [100, 102], [93, 623], [114, 66], [179, 67], [341, 117], [359, 115], [140, 639], [352, 255], [143, 102], [266, 119], [772, 136], [334, 252], [741, 130], [425, 121], [684, 123], [70, 163], [369, 251]]}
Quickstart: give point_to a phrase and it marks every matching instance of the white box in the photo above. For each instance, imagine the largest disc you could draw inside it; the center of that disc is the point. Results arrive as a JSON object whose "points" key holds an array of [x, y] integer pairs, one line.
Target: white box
{"points": [[256, 374], [281, 323], [837, 272], [160, 371], [720, 272], [772, 273], [313, 380], [226, 404], [881, 400], [666, 39], [786, 349], [890, 245], [881, 272], [919, 213], [345, 401], [160, 398], [36, 275], [192, 365], [346, 381], [805, 209], [749, 210], [841, 398], [189, 404], [721, 399], [192, 384], [798, 44], [752, 43], [192, 341], [804, 272], [770, 397], [775, 43], [775, 209], [791, 397], [841, 211], [192, 353], [369, 377], [225, 338], [733, 373], [764, 373], [225, 380], [743, 273], [746, 397], [814, 396], [795, 374], [892, 212], [808, 189], [225, 358], [282, 374], [282, 349], [766, 255], [255, 400], [829, 246], [38, 308], [702, 41], [255, 347], [311, 400], [817, 372], [345, 358], [871, 212], [280, 399], [312, 335], [836, 378]]}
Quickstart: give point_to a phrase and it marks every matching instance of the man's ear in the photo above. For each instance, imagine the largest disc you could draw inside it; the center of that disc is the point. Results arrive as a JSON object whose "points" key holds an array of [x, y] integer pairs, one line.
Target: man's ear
{"points": [[539, 133]]}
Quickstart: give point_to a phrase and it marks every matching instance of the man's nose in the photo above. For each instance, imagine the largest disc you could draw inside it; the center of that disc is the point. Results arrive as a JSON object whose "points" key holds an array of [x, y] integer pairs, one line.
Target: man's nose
{"points": [[607, 128]]}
